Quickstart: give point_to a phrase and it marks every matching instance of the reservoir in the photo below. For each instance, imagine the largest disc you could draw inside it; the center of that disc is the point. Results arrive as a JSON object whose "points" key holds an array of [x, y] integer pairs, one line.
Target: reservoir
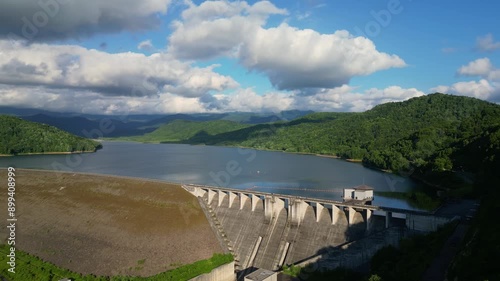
{"points": [[267, 171]]}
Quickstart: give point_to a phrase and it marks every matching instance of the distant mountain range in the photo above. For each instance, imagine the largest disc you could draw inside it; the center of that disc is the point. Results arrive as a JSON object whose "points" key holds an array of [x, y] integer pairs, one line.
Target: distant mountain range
{"points": [[88, 125]]}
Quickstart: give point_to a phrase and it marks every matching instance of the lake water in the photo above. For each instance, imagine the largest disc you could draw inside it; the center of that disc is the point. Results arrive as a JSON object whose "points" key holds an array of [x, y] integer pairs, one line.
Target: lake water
{"points": [[277, 172]]}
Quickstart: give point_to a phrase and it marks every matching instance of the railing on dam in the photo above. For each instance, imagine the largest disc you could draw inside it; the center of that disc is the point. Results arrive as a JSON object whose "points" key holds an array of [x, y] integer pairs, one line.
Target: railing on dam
{"points": [[261, 194], [267, 230], [296, 206]]}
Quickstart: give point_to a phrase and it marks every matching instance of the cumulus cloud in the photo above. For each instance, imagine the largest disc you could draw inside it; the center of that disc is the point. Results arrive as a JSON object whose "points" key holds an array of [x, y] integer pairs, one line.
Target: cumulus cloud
{"points": [[61, 19], [292, 58], [481, 89], [246, 100], [487, 88], [73, 78], [480, 67], [145, 45], [344, 98], [120, 74], [216, 28], [95, 103], [487, 43], [296, 59]]}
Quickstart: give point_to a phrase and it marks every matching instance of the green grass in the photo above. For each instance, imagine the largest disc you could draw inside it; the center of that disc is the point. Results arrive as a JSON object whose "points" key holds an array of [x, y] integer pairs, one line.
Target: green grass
{"points": [[187, 131], [29, 268], [291, 270], [311, 273]]}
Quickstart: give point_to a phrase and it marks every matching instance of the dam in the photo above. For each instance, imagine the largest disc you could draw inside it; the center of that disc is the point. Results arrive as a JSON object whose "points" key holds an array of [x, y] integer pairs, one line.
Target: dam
{"points": [[268, 231]]}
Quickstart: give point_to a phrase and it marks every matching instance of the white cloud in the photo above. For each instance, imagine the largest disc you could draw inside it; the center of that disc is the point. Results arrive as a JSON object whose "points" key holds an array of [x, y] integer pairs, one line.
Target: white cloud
{"points": [[480, 67], [487, 88], [292, 58], [61, 19], [345, 98], [60, 100], [120, 74], [481, 89], [146, 45], [297, 59], [487, 43], [246, 100], [216, 28]]}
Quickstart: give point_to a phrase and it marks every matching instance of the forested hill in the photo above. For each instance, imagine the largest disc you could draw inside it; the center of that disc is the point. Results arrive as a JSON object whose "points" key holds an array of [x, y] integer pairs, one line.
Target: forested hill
{"points": [[183, 130], [19, 136], [435, 132]]}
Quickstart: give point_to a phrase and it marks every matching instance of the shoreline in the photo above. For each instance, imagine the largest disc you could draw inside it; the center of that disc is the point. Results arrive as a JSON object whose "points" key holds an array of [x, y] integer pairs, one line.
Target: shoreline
{"points": [[47, 153], [98, 175], [351, 160]]}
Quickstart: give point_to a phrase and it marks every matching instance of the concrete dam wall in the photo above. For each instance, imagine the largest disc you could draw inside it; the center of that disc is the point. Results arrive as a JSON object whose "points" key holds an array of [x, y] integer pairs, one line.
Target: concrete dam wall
{"points": [[268, 232]]}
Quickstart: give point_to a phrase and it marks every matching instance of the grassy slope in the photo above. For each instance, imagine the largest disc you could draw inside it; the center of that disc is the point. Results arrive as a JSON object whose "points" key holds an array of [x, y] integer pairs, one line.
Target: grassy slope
{"points": [[183, 130], [29, 267], [19, 136]]}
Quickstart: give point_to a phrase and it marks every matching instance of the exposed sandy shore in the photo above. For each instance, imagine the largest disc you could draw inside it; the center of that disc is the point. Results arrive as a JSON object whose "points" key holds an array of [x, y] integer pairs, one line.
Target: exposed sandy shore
{"points": [[106, 225]]}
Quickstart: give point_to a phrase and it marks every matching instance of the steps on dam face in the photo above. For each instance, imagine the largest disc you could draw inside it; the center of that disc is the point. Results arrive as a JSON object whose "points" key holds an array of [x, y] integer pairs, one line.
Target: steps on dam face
{"points": [[242, 227], [217, 227]]}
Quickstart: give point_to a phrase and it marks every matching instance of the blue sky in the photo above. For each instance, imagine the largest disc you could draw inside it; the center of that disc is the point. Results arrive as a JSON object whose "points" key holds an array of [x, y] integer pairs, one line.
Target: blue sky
{"points": [[216, 56]]}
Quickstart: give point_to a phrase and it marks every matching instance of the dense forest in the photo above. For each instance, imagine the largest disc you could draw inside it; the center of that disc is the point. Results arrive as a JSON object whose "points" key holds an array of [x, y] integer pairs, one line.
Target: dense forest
{"points": [[19, 137], [436, 132]]}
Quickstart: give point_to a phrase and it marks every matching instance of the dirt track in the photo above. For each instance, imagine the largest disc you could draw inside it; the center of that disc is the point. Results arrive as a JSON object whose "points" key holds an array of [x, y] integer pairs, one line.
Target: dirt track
{"points": [[107, 225]]}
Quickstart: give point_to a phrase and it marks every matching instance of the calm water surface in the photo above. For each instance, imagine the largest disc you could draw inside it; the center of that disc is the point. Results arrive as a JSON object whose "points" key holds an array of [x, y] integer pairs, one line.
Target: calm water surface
{"points": [[277, 172]]}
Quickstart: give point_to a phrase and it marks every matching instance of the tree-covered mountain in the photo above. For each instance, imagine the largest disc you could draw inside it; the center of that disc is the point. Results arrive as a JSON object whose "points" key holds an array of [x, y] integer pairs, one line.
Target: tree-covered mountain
{"points": [[449, 142], [83, 126], [184, 130], [134, 125], [435, 131], [19, 136]]}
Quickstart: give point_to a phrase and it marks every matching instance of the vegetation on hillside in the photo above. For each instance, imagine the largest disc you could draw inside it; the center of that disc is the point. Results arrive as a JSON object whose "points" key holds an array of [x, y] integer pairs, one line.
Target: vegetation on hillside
{"points": [[19, 137], [446, 141], [480, 250], [434, 136], [392, 136], [29, 267], [184, 130], [413, 257]]}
